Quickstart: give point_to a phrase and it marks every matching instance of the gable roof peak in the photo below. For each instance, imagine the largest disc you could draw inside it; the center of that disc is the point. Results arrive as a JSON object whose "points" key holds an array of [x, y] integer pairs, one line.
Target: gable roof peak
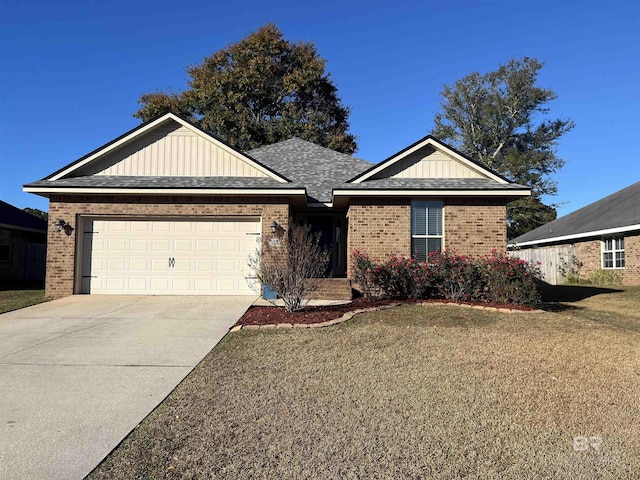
{"points": [[430, 141]]}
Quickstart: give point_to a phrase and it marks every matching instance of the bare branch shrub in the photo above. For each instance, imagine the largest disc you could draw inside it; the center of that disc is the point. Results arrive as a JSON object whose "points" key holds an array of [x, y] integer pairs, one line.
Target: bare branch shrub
{"points": [[285, 262]]}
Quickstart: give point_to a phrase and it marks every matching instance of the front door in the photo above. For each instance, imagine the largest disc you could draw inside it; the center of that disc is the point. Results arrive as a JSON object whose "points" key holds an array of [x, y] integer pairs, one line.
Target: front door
{"points": [[333, 237]]}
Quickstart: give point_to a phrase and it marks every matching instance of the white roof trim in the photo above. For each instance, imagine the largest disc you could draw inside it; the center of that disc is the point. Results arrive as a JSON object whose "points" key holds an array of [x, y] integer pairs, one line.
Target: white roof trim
{"points": [[575, 236], [166, 191], [423, 193], [155, 123], [429, 141]]}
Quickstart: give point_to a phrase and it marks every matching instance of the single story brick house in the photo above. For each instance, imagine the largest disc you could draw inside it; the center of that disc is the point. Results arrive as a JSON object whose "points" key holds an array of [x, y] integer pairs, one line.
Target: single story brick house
{"points": [[168, 209], [22, 245], [603, 235]]}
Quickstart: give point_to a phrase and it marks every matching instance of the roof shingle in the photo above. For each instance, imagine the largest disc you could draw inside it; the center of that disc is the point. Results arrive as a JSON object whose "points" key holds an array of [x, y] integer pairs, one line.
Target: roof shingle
{"points": [[620, 209]]}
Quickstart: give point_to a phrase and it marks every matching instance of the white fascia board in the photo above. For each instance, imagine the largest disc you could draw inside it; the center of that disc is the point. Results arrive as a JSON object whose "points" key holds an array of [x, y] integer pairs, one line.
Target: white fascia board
{"points": [[576, 236], [441, 148], [146, 128], [424, 193], [164, 191]]}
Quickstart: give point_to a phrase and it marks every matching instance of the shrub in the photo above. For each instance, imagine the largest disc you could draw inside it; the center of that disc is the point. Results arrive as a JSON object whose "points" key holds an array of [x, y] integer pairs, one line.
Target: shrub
{"points": [[511, 280], [495, 279], [397, 277], [364, 275], [286, 261], [456, 277], [569, 267], [606, 277]]}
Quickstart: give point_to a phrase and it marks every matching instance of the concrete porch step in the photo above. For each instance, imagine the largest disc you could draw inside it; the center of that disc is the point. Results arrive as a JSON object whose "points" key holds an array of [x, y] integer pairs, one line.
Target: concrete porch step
{"points": [[331, 289]]}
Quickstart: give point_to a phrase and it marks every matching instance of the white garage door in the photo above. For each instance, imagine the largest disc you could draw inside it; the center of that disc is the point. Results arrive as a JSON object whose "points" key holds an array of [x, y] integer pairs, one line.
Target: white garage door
{"points": [[168, 257]]}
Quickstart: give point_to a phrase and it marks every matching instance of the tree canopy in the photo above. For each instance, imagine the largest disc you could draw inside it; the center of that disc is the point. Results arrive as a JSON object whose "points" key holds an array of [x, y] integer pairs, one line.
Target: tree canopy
{"points": [[37, 213], [260, 90], [500, 120]]}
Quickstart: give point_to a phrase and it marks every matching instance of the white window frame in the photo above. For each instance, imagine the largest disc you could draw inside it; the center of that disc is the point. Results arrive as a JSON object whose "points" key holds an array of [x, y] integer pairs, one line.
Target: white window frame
{"points": [[428, 236], [614, 250]]}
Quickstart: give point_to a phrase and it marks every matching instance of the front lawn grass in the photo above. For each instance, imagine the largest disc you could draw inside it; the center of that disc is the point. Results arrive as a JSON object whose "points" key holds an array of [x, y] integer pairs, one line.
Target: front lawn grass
{"points": [[15, 299], [410, 392]]}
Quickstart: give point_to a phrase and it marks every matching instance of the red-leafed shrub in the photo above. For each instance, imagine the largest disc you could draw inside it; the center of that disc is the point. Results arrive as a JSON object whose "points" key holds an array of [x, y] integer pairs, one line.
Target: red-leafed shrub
{"points": [[493, 279]]}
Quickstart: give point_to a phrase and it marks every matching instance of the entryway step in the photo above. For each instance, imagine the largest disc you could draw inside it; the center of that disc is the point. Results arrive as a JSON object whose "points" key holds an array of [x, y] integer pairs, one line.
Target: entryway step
{"points": [[331, 289]]}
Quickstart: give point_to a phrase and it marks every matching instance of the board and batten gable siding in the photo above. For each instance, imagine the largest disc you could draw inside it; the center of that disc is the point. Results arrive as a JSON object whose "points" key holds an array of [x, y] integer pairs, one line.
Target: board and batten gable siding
{"points": [[171, 150], [428, 163]]}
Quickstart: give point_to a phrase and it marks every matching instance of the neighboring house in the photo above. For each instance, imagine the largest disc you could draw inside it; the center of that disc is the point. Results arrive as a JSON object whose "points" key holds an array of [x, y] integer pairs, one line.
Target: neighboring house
{"points": [[602, 235], [23, 240], [168, 209]]}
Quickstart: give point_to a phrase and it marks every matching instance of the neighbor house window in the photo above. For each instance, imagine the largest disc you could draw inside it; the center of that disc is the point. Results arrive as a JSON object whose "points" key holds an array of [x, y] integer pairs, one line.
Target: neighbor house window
{"points": [[5, 245], [426, 228], [613, 252]]}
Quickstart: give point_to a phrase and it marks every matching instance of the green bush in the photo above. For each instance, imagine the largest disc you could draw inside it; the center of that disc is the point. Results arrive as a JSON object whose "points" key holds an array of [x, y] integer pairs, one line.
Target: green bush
{"points": [[606, 277], [569, 267]]}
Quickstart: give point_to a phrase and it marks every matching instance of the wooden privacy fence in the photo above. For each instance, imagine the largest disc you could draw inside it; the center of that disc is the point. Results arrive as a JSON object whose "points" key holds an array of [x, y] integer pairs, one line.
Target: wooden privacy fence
{"points": [[549, 258]]}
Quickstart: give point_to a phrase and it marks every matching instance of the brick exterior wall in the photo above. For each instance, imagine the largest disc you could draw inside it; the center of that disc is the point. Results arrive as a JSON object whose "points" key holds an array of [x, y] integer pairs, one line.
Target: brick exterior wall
{"points": [[475, 227], [379, 228], [61, 249], [589, 253], [383, 226]]}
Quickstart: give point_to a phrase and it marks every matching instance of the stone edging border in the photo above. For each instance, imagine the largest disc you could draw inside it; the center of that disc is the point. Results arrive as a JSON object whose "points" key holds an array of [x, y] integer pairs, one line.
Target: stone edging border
{"points": [[482, 307], [350, 315]]}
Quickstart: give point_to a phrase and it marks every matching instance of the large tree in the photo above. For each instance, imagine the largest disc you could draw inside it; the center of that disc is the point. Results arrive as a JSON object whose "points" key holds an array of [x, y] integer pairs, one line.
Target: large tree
{"points": [[500, 120], [37, 213], [260, 90]]}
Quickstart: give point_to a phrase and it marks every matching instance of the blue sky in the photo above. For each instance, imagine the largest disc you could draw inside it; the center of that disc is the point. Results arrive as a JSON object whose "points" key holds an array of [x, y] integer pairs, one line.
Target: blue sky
{"points": [[72, 72]]}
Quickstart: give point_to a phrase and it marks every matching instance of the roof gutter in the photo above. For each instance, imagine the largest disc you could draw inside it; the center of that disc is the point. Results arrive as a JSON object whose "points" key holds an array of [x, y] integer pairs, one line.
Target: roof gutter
{"points": [[575, 236], [162, 191], [425, 193]]}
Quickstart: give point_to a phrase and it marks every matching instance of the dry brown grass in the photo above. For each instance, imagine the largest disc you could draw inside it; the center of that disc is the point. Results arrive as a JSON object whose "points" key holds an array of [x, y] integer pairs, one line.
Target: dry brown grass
{"points": [[15, 299], [411, 392]]}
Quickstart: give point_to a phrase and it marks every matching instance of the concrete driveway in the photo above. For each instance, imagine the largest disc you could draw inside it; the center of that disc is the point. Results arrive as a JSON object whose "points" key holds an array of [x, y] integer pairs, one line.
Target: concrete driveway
{"points": [[79, 373]]}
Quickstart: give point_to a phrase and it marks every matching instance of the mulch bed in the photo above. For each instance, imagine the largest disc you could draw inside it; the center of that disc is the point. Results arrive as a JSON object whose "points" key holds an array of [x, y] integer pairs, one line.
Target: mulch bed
{"points": [[270, 315]]}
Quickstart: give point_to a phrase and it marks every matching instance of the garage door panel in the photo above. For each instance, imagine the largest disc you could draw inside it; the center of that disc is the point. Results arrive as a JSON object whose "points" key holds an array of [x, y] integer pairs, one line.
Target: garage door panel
{"points": [[161, 245], [116, 226], [114, 284], [138, 245], [204, 265], [182, 246], [140, 226], [137, 284], [138, 265], [181, 285], [204, 246], [161, 227], [159, 285], [116, 265], [227, 246], [117, 245], [168, 257], [248, 244], [159, 265], [226, 266]]}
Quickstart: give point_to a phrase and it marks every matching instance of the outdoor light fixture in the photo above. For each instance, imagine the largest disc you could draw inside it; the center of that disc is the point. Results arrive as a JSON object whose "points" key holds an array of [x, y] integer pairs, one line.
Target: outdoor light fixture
{"points": [[60, 224], [274, 226]]}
